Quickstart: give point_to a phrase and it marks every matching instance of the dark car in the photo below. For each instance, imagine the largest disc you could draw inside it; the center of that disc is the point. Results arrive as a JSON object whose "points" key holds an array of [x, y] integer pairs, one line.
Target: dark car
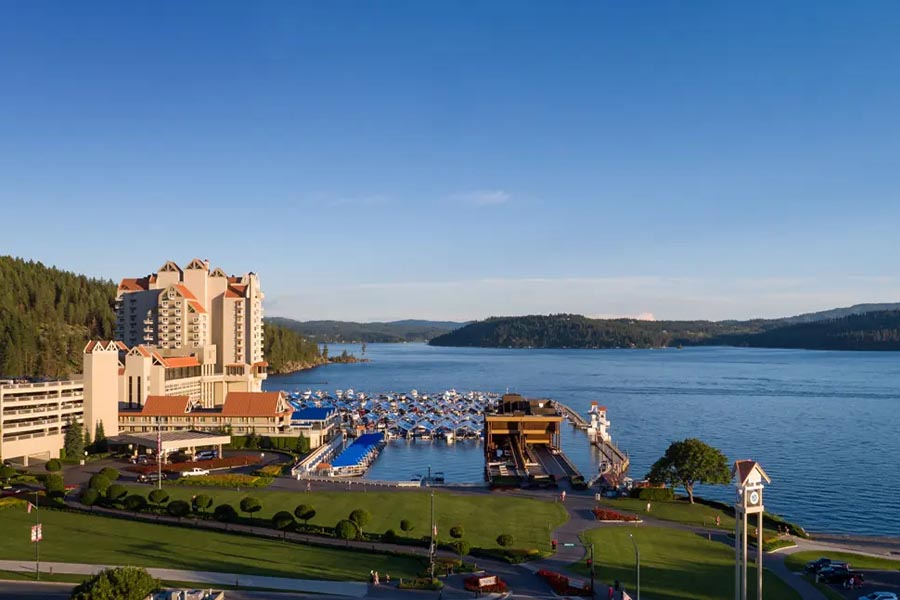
{"points": [[14, 490], [814, 566], [151, 477], [834, 573]]}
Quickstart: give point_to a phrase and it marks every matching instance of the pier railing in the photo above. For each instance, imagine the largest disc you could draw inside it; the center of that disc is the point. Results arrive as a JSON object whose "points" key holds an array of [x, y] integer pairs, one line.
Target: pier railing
{"points": [[320, 454]]}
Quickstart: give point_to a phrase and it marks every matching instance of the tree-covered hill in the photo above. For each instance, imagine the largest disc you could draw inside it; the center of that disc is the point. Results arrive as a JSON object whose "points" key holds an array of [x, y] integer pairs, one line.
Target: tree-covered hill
{"points": [[46, 317], [867, 331], [349, 331], [287, 351]]}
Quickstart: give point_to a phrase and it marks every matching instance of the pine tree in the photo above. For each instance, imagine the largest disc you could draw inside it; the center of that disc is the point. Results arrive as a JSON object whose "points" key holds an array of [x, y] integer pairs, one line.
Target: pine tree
{"points": [[100, 443], [73, 442]]}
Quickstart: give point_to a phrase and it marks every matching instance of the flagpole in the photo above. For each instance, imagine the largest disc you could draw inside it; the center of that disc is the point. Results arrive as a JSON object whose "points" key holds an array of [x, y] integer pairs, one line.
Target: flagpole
{"points": [[37, 539], [432, 535]]}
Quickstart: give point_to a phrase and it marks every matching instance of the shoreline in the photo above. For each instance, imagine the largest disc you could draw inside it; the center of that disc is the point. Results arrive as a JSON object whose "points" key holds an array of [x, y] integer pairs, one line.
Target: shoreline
{"points": [[299, 366]]}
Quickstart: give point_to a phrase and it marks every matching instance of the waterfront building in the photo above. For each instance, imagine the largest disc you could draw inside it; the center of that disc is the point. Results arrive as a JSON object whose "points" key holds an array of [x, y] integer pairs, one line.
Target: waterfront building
{"points": [[34, 416], [261, 413], [197, 312]]}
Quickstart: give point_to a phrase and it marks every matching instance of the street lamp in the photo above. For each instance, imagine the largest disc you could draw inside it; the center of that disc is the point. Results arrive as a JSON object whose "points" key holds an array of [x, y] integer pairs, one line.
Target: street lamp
{"points": [[637, 558]]}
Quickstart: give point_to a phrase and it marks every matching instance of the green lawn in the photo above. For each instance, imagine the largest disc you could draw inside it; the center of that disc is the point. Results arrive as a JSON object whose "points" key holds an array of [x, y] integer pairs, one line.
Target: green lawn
{"points": [[798, 560], [483, 516], [675, 564], [81, 538], [678, 511]]}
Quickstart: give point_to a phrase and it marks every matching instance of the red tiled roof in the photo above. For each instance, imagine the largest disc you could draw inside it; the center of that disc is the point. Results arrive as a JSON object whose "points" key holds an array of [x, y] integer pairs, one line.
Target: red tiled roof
{"points": [[135, 284], [236, 291], [743, 469], [196, 306], [252, 404], [165, 406], [261, 363], [185, 292], [181, 361]]}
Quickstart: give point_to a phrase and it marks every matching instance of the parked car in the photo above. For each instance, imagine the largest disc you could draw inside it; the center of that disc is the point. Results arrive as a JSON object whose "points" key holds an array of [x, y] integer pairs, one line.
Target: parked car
{"points": [[143, 459], [207, 455], [152, 477], [879, 596], [14, 490], [814, 566], [834, 573], [194, 472]]}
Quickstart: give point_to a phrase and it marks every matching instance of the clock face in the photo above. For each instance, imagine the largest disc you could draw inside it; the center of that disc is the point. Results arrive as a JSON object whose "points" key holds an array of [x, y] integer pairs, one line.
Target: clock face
{"points": [[754, 497]]}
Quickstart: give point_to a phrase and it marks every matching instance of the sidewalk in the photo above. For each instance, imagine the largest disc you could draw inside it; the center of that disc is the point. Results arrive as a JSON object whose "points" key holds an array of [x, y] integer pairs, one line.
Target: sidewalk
{"points": [[332, 588]]}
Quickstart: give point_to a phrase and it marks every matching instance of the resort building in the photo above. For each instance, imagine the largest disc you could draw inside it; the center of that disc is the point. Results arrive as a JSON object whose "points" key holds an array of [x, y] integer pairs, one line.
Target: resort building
{"points": [[261, 413], [34, 417], [198, 312]]}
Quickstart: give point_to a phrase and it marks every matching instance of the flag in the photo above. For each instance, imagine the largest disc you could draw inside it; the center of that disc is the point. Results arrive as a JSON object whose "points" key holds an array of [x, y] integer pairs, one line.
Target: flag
{"points": [[434, 530], [30, 506]]}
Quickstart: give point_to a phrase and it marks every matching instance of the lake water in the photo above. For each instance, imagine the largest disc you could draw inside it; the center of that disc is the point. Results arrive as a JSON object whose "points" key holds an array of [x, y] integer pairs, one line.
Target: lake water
{"points": [[824, 425]]}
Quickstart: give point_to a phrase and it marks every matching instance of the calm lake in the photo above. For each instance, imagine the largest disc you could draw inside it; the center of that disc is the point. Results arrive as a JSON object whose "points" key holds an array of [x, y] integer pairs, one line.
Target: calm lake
{"points": [[824, 425]]}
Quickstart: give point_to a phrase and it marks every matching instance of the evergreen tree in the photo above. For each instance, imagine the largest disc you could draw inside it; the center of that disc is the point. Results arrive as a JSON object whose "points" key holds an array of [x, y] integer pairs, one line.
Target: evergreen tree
{"points": [[73, 442], [100, 443]]}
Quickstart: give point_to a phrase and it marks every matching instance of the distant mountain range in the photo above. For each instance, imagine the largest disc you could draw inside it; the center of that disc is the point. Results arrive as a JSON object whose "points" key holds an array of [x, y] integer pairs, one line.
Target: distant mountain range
{"points": [[409, 330], [859, 327]]}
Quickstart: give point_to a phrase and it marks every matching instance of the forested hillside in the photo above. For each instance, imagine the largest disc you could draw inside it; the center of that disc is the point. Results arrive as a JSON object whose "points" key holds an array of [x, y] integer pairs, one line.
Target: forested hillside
{"points": [[868, 331], [350, 331], [46, 317], [577, 331], [287, 351]]}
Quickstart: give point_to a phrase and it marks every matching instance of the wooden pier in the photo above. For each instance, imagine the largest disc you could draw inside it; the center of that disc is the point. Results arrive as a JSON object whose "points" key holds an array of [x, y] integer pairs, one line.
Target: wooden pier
{"points": [[573, 417]]}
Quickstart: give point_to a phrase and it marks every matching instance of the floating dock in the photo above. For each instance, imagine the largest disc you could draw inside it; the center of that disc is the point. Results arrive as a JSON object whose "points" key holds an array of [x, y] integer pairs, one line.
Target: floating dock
{"points": [[522, 443], [356, 458]]}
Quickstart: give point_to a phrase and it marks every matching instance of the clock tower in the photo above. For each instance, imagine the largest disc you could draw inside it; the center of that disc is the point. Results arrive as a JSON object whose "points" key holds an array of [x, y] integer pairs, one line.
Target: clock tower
{"points": [[749, 478]]}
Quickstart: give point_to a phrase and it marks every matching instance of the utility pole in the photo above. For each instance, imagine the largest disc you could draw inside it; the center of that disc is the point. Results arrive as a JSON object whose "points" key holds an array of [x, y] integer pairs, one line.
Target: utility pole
{"points": [[36, 536], [159, 453], [592, 570], [637, 556], [433, 535]]}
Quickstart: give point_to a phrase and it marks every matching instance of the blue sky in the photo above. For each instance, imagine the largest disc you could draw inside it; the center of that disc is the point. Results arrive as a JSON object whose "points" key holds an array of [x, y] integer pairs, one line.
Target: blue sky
{"points": [[380, 160]]}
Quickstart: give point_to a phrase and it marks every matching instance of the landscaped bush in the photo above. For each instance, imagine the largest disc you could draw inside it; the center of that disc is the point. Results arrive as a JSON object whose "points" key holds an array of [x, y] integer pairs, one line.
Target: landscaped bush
{"points": [[579, 483], [421, 583], [774, 543], [654, 494], [471, 584], [10, 502], [216, 463], [605, 514], [770, 521], [232, 480], [268, 471], [53, 465], [560, 584]]}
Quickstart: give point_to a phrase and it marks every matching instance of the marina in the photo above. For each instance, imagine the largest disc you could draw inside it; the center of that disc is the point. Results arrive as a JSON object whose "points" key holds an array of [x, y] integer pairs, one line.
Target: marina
{"points": [[520, 438]]}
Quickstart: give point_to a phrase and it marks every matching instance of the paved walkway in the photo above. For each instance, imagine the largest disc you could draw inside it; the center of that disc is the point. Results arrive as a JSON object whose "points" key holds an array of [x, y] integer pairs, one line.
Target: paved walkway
{"points": [[331, 588]]}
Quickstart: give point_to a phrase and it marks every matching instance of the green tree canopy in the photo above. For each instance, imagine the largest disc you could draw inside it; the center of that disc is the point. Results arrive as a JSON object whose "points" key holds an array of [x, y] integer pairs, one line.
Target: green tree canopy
{"points": [[457, 531], [178, 508], [406, 525], [116, 492], [250, 505], [201, 503], [282, 521], [225, 513], [135, 502], [361, 517], [346, 530], [53, 465], [304, 512], [689, 462], [99, 482], [73, 442], [110, 473], [159, 497], [90, 496], [120, 583], [505, 540]]}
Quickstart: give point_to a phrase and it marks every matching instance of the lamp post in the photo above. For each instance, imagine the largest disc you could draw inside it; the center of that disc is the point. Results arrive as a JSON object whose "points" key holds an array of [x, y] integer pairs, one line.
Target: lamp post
{"points": [[637, 558]]}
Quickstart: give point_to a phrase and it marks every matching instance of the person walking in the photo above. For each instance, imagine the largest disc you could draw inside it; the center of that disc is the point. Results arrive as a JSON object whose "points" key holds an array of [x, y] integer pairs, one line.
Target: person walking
{"points": [[648, 507], [718, 521], [611, 593], [563, 495]]}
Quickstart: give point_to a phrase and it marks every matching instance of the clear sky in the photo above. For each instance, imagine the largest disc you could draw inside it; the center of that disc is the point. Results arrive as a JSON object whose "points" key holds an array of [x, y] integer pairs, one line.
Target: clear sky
{"points": [[381, 160]]}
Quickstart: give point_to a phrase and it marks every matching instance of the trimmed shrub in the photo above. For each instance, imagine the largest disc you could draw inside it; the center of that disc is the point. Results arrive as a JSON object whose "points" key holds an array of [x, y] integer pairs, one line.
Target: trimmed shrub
{"points": [[505, 540], [135, 503], [53, 465], [121, 582], [250, 505], [225, 513], [346, 530], [390, 536], [99, 482], [90, 496], [201, 503], [605, 514], [110, 473], [282, 521], [655, 494], [178, 508]]}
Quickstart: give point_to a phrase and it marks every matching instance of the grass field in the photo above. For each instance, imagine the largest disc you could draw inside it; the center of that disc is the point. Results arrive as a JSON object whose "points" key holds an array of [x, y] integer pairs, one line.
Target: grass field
{"points": [[80, 538], [675, 564], [483, 516], [798, 560], [678, 511]]}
